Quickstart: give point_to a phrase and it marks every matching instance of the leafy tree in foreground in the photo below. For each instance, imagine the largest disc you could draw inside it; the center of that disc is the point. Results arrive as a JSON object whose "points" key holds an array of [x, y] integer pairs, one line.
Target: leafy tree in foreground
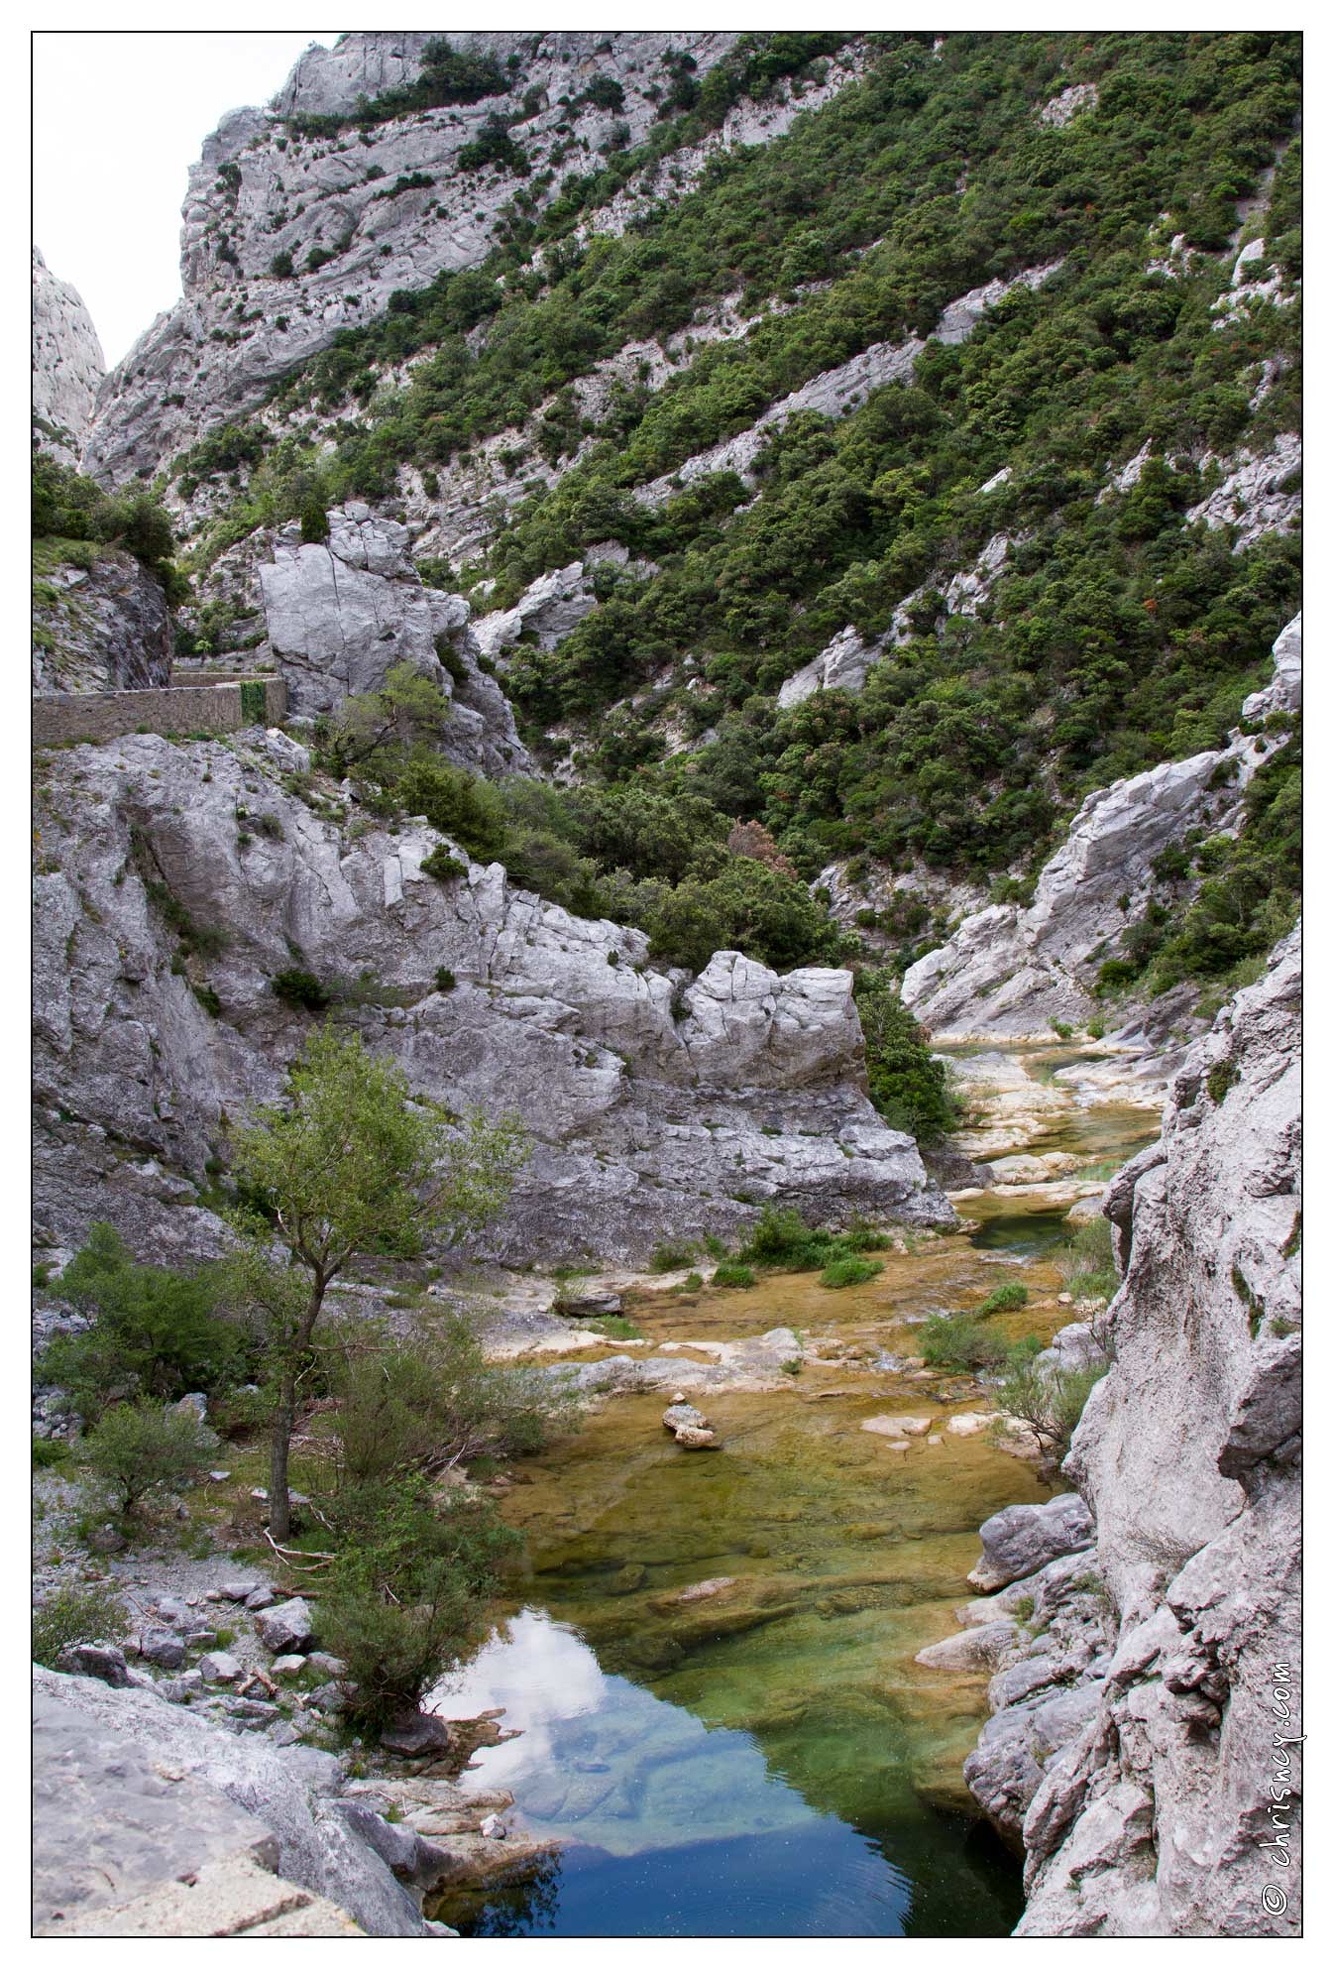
{"points": [[351, 1164]]}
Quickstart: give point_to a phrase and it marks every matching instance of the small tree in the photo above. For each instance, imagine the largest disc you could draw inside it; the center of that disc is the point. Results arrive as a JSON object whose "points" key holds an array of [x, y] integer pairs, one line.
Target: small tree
{"points": [[139, 1448], [351, 1164]]}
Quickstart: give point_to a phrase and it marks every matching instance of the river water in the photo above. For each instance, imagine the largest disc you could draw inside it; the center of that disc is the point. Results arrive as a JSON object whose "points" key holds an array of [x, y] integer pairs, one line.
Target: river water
{"points": [[764, 1757]]}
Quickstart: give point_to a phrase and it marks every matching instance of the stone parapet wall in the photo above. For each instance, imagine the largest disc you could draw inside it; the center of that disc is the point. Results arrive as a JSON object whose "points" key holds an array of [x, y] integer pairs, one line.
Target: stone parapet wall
{"points": [[68, 717]]}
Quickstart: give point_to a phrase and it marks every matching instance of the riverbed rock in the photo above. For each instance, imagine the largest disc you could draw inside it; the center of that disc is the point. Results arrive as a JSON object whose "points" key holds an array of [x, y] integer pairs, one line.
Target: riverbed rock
{"points": [[976, 1647], [897, 1425], [162, 1786], [689, 1437], [1024, 1537], [415, 1734], [680, 1415]]}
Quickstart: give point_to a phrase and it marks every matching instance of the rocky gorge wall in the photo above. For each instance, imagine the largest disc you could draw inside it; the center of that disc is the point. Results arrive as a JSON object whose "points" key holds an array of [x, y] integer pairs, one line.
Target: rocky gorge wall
{"points": [[658, 1106], [1010, 972], [261, 189], [67, 365], [1145, 1746]]}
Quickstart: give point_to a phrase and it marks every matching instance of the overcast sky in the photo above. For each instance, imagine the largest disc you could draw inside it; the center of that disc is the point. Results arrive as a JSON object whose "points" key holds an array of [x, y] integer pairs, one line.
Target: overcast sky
{"points": [[118, 119]]}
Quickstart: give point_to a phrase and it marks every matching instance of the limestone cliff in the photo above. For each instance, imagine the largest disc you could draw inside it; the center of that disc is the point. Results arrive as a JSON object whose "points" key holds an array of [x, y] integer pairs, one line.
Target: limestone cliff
{"points": [[1008, 972], [67, 365], [357, 221], [1145, 1744], [178, 880]]}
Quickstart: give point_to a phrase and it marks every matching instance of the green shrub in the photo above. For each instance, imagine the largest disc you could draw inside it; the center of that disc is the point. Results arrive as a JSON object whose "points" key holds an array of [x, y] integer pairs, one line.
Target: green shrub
{"points": [[614, 1326], [300, 989], [140, 1448], [731, 1272], [73, 1614], [408, 1591], [254, 711], [909, 1088], [673, 1256], [429, 1399], [49, 1452], [1050, 1402], [960, 1342], [1007, 1298], [783, 1240], [156, 1332], [849, 1271], [445, 980], [444, 866], [1087, 1262]]}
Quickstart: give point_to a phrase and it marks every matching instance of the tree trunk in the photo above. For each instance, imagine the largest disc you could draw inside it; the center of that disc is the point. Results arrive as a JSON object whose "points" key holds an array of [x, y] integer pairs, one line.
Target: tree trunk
{"points": [[284, 1421], [284, 1415]]}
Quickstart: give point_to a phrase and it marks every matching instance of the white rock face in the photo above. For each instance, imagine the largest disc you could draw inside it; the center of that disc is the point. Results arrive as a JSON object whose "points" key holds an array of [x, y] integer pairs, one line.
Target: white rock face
{"points": [[67, 364], [107, 628], [648, 1096], [1285, 692], [548, 609], [1166, 1807], [1007, 972], [1059, 111], [844, 662], [1251, 497], [841, 666], [340, 615]]}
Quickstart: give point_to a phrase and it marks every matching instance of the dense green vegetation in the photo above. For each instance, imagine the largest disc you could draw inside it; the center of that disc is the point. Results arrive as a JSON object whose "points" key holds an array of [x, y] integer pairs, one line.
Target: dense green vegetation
{"points": [[1116, 636], [1220, 901], [69, 508]]}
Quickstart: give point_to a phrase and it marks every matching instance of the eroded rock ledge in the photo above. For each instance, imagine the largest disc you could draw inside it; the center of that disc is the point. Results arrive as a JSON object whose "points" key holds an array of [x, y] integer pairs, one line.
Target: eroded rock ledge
{"points": [[658, 1105], [1140, 1745]]}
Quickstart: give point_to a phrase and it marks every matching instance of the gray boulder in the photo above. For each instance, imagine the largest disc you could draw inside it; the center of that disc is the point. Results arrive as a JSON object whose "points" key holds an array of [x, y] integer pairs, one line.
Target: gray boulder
{"points": [[162, 1647], [128, 1754], [96, 1658], [1024, 1537], [286, 1629]]}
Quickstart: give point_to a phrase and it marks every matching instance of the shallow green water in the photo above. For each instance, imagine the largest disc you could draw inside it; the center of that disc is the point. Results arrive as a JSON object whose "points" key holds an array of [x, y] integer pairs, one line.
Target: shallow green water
{"points": [[766, 1757]]}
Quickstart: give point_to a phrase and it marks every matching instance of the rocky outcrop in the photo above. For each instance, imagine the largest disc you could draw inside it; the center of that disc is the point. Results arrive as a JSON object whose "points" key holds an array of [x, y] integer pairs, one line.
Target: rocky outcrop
{"points": [[844, 662], [1284, 693], [834, 392], [340, 614], [659, 1106], [1011, 973], [1258, 494], [1162, 1676], [134, 1794], [67, 365], [101, 627]]}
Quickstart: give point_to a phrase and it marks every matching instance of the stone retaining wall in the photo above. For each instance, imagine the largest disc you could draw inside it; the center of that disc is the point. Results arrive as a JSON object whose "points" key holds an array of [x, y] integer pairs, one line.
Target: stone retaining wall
{"points": [[67, 717]]}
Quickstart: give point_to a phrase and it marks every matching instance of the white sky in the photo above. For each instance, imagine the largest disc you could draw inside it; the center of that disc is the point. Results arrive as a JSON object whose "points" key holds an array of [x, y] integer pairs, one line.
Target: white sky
{"points": [[118, 119]]}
